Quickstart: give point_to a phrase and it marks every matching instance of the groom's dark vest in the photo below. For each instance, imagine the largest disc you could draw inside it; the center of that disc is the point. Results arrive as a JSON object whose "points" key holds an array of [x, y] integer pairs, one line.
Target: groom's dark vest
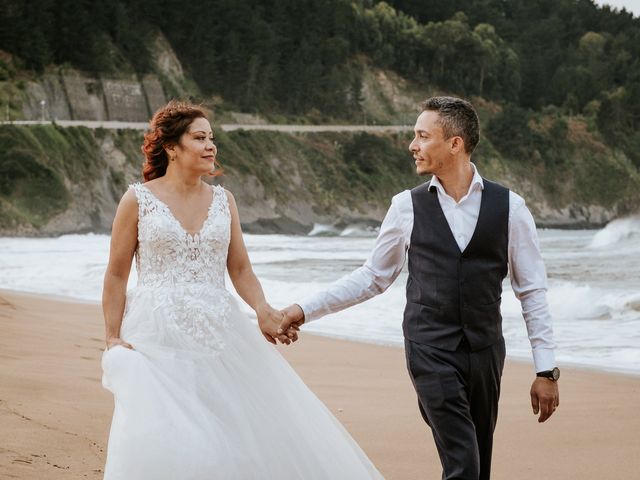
{"points": [[451, 294]]}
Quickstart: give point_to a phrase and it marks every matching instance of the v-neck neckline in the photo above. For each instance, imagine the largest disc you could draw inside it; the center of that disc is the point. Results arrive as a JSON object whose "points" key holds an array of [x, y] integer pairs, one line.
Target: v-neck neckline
{"points": [[204, 223]]}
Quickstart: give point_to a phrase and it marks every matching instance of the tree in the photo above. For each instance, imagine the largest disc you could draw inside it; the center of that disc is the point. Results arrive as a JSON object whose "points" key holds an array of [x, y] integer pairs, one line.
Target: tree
{"points": [[488, 52], [510, 133]]}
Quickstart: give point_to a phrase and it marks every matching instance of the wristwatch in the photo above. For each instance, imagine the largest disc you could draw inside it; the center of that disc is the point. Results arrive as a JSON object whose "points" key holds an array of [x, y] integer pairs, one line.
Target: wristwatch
{"points": [[550, 374]]}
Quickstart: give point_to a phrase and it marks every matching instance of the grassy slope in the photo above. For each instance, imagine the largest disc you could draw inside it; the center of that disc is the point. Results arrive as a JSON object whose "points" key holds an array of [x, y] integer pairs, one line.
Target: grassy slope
{"points": [[41, 165]]}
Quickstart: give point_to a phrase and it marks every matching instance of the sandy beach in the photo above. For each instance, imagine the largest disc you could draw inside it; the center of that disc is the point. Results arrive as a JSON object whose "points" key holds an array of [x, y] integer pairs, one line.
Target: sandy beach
{"points": [[55, 415]]}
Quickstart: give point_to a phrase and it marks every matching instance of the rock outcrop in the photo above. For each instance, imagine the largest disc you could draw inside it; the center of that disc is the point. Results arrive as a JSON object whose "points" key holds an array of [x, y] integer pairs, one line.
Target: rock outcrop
{"points": [[72, 179]]}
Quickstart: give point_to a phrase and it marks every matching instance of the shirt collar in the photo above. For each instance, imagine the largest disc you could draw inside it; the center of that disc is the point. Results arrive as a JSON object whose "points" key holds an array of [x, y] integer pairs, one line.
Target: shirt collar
{"points": [[476, 180]]}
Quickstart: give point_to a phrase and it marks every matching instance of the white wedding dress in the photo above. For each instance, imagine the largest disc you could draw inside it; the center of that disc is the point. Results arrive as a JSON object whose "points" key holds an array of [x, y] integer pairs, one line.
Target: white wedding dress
{"points": [[203, 396]]}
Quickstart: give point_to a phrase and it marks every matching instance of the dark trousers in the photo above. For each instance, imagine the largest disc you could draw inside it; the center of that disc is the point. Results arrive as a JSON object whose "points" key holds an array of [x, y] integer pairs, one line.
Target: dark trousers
{"points": [[458, 396]]}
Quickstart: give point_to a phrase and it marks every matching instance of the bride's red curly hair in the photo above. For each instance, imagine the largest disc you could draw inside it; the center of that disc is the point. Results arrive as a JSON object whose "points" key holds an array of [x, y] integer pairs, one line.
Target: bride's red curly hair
{"points": [[165, 128]]}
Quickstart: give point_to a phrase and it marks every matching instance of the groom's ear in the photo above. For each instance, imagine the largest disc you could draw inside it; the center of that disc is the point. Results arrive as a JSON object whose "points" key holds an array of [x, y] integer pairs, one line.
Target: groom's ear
{"points": [[456, 145]]}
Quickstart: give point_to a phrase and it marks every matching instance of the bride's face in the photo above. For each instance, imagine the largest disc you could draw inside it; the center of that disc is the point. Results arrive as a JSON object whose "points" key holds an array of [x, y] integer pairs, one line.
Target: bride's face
{"points": [[196, 150]]}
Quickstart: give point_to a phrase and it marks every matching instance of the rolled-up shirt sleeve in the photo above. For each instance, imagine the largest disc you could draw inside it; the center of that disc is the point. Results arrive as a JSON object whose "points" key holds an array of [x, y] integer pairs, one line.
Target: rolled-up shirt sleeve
{"points": [[379, 270], [529, 283]]}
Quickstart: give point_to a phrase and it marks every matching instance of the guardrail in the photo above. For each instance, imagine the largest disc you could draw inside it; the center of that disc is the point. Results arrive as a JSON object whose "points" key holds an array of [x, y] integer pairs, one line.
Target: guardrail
{"points": [[227, 127]]}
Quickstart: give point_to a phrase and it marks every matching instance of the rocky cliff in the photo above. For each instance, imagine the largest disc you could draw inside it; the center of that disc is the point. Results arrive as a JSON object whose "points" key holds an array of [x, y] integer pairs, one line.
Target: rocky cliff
{"points": [[55, 180]]}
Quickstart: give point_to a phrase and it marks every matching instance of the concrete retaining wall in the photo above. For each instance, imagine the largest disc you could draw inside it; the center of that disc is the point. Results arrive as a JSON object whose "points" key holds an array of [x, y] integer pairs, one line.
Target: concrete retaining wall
{"points": [[154, 93], [125, 100], [76, 97], [51, 90], [86, 100]]}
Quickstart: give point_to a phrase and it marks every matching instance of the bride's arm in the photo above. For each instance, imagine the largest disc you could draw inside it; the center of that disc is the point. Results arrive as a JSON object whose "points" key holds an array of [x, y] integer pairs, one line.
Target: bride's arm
{"points": [[124, 239], [247, 284]]}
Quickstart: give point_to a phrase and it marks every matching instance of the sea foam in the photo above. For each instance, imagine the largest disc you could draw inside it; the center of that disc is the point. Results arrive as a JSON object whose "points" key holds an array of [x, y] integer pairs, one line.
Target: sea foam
{"points": [[621, 230], [594, 292]]}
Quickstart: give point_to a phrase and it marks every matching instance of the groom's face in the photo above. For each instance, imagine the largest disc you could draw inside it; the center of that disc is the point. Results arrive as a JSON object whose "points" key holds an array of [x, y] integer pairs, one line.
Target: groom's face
{"points": [[429, 148]]}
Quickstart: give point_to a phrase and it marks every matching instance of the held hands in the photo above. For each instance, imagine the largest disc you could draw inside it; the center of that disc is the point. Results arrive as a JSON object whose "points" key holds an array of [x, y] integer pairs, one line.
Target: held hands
{"points": [[269, 320], [545, 398], [114, 341], [292, 317]]}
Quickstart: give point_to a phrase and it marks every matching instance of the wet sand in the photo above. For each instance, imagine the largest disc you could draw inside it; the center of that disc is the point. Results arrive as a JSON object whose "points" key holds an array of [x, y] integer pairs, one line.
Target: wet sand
{"points": [[55, 415]]}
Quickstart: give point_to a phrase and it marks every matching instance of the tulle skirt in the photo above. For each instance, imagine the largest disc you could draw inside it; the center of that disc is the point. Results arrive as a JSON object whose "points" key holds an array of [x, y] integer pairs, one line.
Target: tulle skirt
{"points": [[234, 411]]}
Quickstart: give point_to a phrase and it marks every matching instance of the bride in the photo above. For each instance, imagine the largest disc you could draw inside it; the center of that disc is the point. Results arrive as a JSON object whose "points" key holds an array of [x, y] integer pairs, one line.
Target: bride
{"points": [[198, 393]]}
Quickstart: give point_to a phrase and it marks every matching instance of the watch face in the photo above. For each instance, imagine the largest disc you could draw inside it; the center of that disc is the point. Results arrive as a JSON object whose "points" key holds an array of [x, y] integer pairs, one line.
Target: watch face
{"points": [[556, 373]]}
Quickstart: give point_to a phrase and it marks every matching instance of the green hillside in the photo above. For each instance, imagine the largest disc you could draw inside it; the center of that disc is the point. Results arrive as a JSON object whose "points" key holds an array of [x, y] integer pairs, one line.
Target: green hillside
{"points": [[59, 180], [556, 84], [301, 57]]}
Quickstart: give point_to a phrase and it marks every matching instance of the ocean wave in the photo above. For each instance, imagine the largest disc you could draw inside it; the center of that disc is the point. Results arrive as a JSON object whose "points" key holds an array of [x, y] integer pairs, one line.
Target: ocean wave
{"points": [[568, 300], [618, 231], [322, 230], [354, 230], [360, 231], [633, 303], [596, 314]]}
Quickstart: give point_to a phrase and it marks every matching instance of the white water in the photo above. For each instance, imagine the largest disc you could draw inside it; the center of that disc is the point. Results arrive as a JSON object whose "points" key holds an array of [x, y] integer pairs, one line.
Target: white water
{"points": [[594, 285]]}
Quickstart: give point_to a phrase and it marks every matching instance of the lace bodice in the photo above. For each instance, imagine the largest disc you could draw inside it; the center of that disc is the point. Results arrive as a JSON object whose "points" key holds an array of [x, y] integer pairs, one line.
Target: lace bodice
{"points": [[185, 271], [167, 255]]}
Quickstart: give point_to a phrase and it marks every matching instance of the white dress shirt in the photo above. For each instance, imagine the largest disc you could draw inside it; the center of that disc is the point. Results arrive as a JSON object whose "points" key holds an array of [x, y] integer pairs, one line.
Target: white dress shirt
{"points": [[526, 268]]}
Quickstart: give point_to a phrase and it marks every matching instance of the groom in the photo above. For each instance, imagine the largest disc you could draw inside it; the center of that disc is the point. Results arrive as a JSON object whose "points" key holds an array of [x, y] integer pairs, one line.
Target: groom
{"points": [[461, 234]]}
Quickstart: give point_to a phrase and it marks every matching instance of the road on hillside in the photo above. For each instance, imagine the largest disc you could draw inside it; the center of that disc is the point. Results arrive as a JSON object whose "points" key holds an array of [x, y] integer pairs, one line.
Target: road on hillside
{"points": [[227, 127]]}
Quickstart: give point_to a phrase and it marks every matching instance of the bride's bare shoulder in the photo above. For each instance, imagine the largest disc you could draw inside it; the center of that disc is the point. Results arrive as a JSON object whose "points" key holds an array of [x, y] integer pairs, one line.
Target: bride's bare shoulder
{"points": [[230, 196], [129, 201], [231, 202]]}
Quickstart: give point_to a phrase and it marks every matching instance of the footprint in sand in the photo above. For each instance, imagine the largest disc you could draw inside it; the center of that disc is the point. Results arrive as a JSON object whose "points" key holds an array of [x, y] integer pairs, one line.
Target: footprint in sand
{"points": [[6, 303]]}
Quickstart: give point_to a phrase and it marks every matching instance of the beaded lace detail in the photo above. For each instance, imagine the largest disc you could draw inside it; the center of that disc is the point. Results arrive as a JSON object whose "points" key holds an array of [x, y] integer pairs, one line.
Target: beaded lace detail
{"points": [[187, 271]]}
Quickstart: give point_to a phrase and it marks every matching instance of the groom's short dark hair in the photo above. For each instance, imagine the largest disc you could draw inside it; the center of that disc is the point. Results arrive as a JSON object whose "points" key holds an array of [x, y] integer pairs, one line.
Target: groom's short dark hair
{"points": [[458, 118]]}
